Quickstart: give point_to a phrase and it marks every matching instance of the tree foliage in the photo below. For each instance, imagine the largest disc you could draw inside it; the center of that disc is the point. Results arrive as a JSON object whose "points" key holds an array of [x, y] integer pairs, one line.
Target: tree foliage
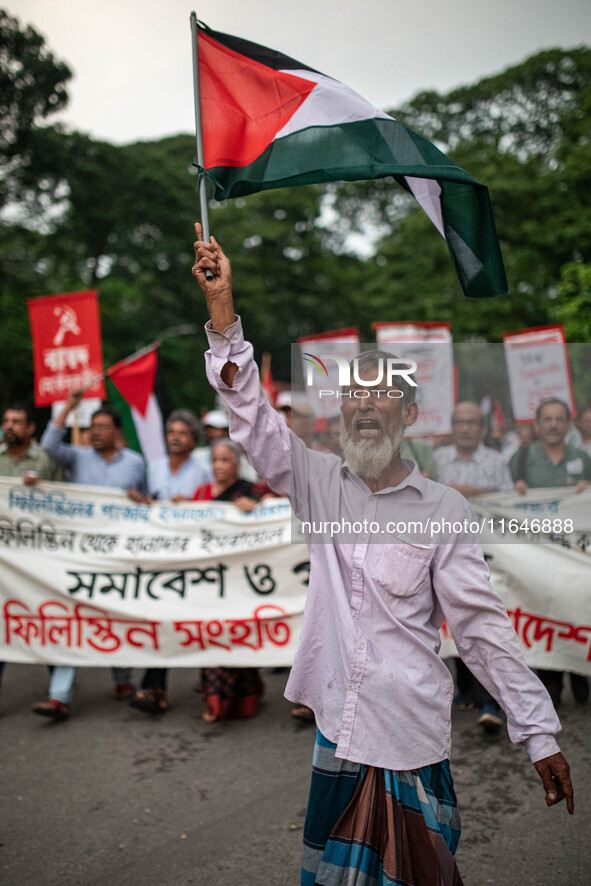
{"points": [[32, 87], [526, 133], [120, 219]]}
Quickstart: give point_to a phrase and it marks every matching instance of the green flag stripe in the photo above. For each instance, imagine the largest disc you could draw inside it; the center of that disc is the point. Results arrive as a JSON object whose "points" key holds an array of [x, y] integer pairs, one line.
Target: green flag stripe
{"points": [[378, 148], [122, 406]]}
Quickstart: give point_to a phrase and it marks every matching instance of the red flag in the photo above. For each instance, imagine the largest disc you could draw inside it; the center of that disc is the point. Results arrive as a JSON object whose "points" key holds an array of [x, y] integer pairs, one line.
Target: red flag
{"points": [[135, 380], [245, 103]]}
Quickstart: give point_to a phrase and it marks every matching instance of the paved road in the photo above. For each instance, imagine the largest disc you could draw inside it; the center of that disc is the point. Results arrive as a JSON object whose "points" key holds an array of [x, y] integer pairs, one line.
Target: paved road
{"points": [[115, 798]]}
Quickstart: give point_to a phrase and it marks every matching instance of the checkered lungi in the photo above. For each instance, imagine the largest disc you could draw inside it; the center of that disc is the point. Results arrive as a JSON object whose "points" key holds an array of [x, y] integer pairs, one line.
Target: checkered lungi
{"points": [[378, 827]]}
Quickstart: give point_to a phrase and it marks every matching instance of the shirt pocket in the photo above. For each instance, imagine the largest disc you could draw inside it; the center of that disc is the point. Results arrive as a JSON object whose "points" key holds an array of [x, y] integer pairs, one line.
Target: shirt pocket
{"points": [[402, 569]]}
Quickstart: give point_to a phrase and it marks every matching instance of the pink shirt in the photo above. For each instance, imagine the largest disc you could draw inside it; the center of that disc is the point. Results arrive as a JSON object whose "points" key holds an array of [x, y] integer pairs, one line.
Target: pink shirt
{"points": [[367, 663]]}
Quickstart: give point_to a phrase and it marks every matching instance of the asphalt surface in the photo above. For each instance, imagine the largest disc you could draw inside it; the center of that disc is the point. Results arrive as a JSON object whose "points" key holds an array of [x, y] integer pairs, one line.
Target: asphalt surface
{"points": [[114, 797]]}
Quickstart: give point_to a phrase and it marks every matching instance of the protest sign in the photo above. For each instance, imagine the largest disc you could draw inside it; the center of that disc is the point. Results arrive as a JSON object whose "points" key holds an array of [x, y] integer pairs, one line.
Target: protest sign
{"points": [[322, 374], [430, 346], [67, 349], [538, 368]]}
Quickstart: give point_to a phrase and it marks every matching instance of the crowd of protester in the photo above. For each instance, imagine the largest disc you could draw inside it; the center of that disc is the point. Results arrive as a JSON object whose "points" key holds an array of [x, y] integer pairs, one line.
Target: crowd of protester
{"points": [[203, 463]]}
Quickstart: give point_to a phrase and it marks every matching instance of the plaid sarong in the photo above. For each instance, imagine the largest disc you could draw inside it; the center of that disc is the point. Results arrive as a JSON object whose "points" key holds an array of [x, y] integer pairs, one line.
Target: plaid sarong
{"points": [[377, 827]]}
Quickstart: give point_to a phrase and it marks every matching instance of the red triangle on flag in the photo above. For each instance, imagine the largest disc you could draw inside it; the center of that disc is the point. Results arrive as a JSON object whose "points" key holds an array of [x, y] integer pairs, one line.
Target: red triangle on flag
{"points": [[244, 104], [135, 380]]}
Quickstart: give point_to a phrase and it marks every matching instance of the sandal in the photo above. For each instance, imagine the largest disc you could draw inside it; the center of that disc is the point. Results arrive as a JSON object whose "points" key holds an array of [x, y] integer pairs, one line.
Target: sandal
{"points": [[152, 701], [303, 713], [209, 717]]}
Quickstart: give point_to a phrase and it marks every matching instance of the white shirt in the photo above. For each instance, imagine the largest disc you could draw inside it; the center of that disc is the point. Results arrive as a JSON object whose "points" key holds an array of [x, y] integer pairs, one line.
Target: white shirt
{"points": [[367, 663]]}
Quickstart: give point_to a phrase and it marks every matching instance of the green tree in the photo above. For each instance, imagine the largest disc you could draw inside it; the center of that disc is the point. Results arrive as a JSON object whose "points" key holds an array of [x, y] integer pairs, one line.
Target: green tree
{"points": [[526, 133], [120, 219], [32, 87]]}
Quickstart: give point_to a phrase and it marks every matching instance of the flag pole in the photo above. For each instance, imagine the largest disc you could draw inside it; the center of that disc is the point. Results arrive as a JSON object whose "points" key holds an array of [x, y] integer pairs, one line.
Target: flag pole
{"points": [[171, 332], [199, 136]]}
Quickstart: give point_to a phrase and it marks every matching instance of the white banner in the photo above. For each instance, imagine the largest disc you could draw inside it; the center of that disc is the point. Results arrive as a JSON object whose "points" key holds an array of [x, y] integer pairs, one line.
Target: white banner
{"points": [[538, 548], [539, 369], [89, 578], [430, 346]]}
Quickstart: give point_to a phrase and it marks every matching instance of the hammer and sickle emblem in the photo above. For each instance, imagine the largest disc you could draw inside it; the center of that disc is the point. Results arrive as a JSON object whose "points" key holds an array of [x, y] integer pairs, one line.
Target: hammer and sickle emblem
{"points": [[68, 323]]}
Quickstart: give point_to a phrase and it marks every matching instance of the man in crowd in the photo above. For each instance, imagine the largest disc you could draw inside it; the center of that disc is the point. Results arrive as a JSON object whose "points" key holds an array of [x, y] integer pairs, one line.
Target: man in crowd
{"points": [[20, 454], [421, 451], [103, 463], [467, 464], [283, 405], [552, 462], [473, 469], [176, 476], [367, 662], [172, 478], [583, 424]]}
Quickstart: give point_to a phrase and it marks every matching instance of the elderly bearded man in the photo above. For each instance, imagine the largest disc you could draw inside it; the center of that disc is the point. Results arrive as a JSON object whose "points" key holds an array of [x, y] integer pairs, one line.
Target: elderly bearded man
{"points": [[382, 806]]}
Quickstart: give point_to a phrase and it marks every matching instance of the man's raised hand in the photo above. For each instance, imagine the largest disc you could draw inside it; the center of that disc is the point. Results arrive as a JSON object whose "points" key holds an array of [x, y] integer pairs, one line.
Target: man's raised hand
{"points": [[211, 257]]}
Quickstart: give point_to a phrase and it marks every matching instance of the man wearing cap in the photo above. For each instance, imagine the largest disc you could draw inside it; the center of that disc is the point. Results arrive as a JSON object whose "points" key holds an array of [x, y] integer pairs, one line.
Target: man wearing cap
{"points": [[283, 405]]}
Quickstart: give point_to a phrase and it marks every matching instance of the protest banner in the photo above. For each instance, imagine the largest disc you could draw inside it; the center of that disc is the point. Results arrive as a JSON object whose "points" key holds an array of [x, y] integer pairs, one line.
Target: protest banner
{"points": [[538, 369], [67, 349], [538, 548], [88, 577], [429, 344]]}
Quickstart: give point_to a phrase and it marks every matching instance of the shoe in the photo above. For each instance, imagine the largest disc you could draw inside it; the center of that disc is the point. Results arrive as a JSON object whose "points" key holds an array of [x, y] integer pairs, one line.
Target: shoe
{"points": [[489, 718], [580, 688], [463, 701], [53, 708], [123, 691]]}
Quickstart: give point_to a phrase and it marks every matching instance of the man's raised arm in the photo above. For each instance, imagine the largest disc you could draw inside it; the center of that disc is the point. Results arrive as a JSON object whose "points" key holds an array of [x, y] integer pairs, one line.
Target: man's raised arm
{"points": [[233, 373], [217, 289]]}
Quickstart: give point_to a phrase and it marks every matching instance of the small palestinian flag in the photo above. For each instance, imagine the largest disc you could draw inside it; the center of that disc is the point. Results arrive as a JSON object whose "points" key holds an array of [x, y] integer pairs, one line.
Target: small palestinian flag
{"points": [[269, 121], [130, 386]]}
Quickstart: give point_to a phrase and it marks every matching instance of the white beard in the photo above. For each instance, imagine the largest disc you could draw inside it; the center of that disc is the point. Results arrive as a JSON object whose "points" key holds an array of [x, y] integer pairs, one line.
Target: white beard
{"points": [[367, 458]]}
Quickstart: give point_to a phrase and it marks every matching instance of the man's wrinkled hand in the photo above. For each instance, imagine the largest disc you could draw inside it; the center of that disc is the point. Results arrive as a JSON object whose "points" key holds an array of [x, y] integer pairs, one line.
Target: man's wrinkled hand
{"points": [[554, 772], [210, 257]]}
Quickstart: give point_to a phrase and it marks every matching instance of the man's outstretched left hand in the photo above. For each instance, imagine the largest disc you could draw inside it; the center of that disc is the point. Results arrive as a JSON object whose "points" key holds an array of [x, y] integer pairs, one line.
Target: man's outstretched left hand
{"points": [[555, 774]]}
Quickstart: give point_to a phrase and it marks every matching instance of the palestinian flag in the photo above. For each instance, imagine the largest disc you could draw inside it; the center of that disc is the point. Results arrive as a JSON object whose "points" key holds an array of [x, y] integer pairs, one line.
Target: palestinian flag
{"points": [[269, 121], [130, 384]]}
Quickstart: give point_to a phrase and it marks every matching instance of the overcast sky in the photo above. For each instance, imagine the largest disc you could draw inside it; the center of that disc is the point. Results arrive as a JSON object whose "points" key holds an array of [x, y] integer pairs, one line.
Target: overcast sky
{"points": [[132, 58]]}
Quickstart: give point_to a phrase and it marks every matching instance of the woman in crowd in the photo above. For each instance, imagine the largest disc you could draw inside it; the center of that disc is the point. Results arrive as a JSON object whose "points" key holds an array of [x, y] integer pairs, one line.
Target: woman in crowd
{"points": [[229, 693]]}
